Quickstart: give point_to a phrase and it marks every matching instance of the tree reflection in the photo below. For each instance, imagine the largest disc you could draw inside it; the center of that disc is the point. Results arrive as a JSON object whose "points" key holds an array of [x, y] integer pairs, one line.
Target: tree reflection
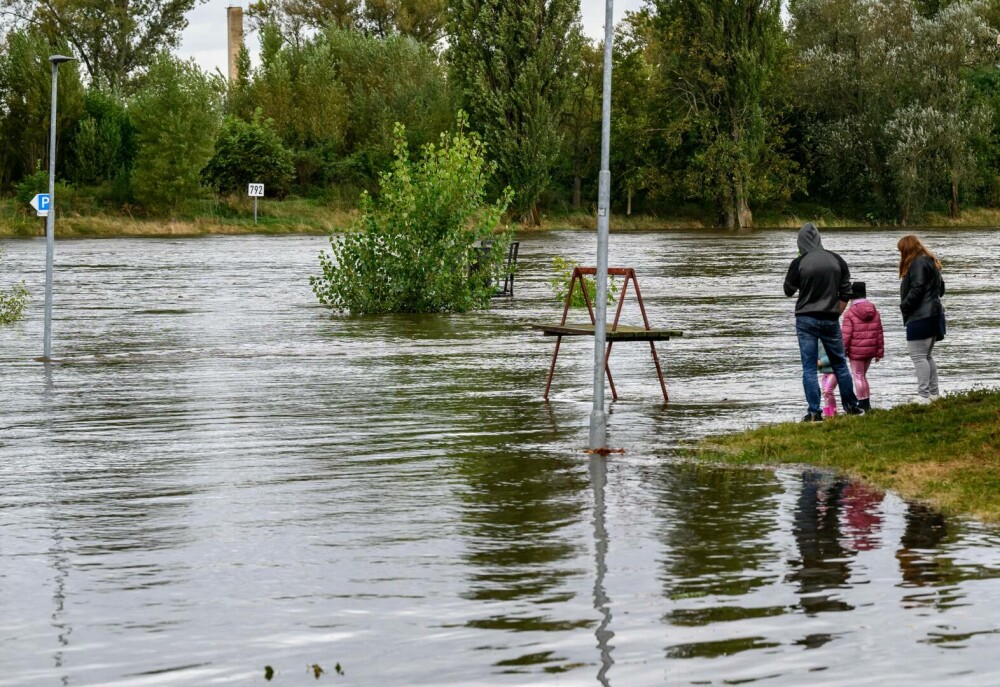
{"points": [[717, 530], [517, 511], [919, 561]]}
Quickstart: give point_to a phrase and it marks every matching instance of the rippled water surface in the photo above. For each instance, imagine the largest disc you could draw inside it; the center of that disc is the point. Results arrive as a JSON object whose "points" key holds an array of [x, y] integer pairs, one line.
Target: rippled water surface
{"points": [[220, 476]]}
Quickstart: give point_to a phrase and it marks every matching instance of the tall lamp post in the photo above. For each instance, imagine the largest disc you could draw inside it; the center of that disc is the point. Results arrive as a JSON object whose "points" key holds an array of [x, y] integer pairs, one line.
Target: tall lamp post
{"points": [[50, 220], [598, 420]]}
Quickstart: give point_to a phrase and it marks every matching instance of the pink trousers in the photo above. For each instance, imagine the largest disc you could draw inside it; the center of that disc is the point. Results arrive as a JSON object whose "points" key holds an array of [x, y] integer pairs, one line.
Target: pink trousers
{"points": [[859, 371]]}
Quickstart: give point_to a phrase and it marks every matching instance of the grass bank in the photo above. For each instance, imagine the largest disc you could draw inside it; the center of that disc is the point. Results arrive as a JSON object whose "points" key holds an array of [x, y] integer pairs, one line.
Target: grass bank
{"points": [[82, 216], [199, 218], [946, 454]]}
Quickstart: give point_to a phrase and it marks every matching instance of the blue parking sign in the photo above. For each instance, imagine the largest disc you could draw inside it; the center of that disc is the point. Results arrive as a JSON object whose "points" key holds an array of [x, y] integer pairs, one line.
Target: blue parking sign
{"points": [[42, 202]]}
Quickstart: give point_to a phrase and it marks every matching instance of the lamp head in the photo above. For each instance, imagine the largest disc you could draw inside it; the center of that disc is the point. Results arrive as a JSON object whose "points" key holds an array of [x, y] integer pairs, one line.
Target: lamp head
{"points": [[59, 59]]}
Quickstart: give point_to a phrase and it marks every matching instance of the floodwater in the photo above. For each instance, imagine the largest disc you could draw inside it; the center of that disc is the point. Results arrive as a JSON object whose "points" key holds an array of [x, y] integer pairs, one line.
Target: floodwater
{"points": [[220, 476]]}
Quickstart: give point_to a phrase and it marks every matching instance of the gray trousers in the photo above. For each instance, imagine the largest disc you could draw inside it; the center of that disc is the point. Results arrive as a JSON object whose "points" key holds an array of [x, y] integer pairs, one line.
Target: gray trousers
{"points": [[921, 353]]}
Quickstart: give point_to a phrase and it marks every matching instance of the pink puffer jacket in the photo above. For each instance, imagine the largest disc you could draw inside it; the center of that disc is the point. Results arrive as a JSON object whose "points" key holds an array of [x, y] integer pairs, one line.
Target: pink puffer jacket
{"points": [[862, 330]]}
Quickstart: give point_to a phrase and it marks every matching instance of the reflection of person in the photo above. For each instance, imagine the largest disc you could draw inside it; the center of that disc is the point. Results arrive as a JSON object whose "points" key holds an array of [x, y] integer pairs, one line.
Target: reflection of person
{"points": [[823, 282], [864, 340], [862, 516], [925, 530], [920, 291], [824, 563]]}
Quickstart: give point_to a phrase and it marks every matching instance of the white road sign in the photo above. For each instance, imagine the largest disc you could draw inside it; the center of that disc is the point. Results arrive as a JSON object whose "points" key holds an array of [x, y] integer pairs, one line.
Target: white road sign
{"points": [[256, 191]]}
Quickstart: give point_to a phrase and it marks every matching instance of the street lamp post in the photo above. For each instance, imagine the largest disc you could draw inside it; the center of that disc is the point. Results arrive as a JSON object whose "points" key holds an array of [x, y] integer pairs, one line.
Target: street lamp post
{"points": [[50, 220], [598, 420]]}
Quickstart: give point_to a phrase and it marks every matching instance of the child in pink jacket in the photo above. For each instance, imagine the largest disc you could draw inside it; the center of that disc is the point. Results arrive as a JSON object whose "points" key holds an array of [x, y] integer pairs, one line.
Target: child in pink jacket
{"points": [[863, 340]]}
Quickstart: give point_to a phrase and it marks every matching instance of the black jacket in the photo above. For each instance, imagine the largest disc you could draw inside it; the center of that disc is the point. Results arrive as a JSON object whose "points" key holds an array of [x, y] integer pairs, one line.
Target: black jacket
{"points": [[920, 290], [821, 277]]}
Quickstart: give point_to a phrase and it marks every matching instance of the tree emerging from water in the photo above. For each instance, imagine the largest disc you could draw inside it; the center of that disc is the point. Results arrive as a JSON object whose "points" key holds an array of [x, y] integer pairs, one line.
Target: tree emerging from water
{"points": [[428, 243]]}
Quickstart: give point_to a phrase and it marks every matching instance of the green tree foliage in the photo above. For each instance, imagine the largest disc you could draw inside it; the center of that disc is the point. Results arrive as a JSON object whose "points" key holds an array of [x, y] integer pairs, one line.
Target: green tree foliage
{"points": [[395, 79], [429, 243], [249, 152], [335, 97], [514, 62], [893, 119], [580, 128], [298, 89], [422, 20], [114, 39], [25, 102], [719, 60], [104, 144], [176, 114], [633, 119]]}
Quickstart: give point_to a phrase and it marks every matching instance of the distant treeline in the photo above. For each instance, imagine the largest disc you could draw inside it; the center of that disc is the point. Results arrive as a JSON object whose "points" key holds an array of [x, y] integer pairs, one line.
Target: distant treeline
{"points": [[882, 108]]}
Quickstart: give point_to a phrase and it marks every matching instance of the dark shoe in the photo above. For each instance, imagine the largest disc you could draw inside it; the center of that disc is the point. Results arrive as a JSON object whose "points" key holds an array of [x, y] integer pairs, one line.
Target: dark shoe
{"points": [[855, 410], [865, 404], [813, 417]]}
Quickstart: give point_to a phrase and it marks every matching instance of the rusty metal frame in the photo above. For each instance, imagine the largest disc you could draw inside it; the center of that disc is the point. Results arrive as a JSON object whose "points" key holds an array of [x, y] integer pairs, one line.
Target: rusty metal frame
{"points": [[629, 274]]}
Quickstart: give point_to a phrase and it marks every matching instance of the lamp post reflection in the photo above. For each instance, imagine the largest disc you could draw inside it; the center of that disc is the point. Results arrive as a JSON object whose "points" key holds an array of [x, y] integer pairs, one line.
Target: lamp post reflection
{"points": [[598, 480]]}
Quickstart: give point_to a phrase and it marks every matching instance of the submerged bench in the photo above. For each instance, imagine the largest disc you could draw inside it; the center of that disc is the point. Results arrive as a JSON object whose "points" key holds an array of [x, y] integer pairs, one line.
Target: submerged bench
{"points": [[613, 331]]}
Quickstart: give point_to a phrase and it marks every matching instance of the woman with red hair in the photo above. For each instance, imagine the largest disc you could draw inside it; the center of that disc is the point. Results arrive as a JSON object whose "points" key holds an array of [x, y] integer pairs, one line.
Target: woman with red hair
{"points": [[920, 289]]}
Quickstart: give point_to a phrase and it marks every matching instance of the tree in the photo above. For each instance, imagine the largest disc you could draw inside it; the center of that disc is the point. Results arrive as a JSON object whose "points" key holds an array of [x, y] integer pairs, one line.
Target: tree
{"points": [[422, 20], [298, 88], [890, 111], [104, 143], [718, 60], [25, 102], [428, 244], [632, 114], [580, 128], [513, 62], [114, 38], [390, 80], [249, 152], [176, 115]]}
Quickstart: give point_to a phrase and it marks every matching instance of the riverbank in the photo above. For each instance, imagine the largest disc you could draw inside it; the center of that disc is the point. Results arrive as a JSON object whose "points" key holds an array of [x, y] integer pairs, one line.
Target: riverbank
{"points": [[81, 217], [946, 454]]}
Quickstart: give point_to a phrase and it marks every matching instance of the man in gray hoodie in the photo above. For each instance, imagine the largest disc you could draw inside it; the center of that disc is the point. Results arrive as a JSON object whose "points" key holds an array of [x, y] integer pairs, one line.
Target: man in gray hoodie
{"points": [[823, 282]]}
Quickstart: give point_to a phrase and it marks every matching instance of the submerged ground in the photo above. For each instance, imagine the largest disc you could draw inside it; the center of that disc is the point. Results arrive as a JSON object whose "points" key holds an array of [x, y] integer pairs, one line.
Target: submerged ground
{"points": [[220, 476]]}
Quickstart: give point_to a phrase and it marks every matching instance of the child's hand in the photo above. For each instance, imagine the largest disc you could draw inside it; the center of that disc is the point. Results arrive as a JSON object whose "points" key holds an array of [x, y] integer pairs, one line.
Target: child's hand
{"points": [[819, 364], [877, 359]]}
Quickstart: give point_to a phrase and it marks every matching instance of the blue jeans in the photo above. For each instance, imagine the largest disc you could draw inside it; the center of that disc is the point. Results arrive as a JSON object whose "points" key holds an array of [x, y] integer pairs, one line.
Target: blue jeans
{"points": [[810, 332]]}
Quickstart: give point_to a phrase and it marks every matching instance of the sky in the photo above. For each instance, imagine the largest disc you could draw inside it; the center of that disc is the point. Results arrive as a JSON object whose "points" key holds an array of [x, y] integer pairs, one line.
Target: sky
{"points": [[205, 37]]}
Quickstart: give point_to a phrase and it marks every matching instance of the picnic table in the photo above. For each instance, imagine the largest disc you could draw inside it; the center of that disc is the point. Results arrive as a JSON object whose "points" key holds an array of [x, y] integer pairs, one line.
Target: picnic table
{"points": [[614, 332]]}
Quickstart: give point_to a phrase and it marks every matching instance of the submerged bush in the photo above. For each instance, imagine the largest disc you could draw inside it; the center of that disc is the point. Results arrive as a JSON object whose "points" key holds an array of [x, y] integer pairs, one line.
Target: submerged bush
{"points": [[429, 243], [12, 302], [560, 283]]}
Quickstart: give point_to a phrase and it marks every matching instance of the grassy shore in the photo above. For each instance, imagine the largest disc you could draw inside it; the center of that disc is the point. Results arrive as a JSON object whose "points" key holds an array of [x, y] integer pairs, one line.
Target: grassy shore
{"points": [[226, 216], [82, 217], [946, 454]]}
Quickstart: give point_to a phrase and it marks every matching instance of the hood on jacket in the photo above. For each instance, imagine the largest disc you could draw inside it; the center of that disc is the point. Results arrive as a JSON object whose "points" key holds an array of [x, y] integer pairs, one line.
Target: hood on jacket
{"points": [[863, 310], [809, 239]]}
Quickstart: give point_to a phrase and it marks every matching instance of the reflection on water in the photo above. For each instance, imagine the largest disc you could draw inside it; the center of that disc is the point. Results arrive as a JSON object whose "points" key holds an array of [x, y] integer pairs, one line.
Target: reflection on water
{"points": [[221, 476]]}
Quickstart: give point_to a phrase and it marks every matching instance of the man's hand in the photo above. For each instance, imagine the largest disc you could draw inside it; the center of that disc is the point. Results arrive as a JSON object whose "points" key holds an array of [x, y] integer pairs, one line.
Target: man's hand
{"points": [[843, 306]]}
